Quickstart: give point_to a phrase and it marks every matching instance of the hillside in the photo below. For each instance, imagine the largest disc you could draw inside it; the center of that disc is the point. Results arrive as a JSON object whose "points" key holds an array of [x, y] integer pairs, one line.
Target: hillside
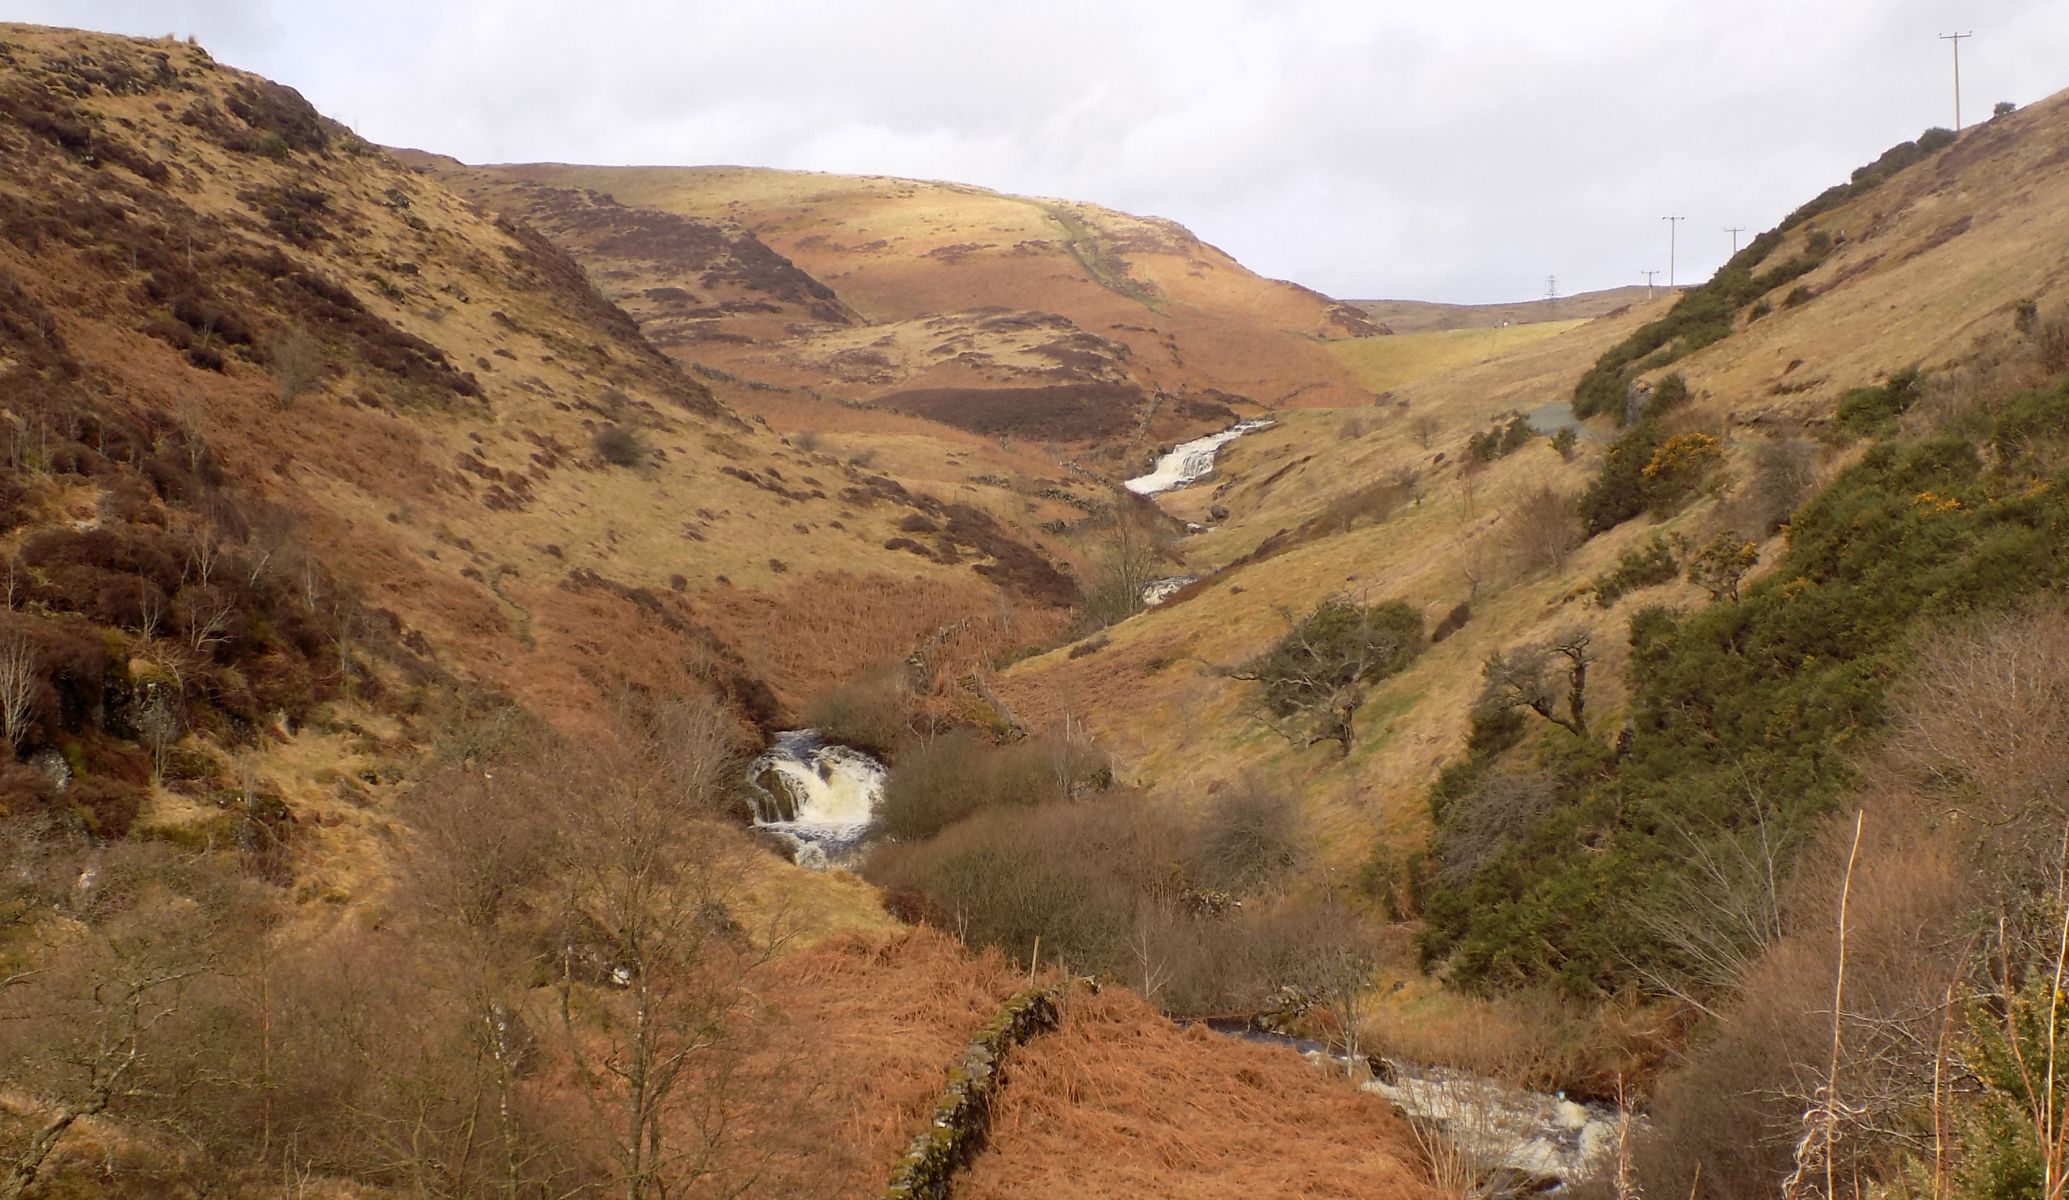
{"points": [[1501, 544], [1424, 316], [250, 273], [1040, 319]]}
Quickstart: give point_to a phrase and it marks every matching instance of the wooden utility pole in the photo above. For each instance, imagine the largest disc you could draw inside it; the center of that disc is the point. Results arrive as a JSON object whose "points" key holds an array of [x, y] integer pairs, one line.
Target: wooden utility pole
{"points": [[1551, 294], [1673, 228], [1648, 282], [1956, 39], [1734, 231]]}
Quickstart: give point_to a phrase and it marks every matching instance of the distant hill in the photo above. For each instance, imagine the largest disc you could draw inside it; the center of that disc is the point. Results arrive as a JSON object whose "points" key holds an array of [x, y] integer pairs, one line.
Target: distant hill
{"points": [[877, 290], [1424, 316]]}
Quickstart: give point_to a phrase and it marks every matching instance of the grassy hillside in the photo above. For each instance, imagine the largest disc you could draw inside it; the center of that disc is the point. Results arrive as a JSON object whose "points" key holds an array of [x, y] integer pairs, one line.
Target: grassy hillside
{"points": [[953, 289], [1423, 316]]}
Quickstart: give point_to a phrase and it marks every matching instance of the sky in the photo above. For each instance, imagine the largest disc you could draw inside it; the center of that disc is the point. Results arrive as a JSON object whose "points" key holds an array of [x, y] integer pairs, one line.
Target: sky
{"points": [[1464, 152]]}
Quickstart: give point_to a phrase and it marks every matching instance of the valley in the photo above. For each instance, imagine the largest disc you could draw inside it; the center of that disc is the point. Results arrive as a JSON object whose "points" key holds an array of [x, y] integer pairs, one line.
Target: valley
{"points": [[556, 680]]}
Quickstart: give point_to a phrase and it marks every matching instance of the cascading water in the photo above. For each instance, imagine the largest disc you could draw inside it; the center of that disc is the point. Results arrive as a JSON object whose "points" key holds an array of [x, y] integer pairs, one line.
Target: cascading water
{"points": [[818, 797], [1190, 460], [1539, 1140]]}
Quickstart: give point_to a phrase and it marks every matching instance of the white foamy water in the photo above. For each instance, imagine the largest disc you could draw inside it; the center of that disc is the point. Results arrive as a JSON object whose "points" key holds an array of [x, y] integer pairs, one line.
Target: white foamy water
{"points": [[818, 797], [1542, 1136], [1190, 460], [1156, 591]]}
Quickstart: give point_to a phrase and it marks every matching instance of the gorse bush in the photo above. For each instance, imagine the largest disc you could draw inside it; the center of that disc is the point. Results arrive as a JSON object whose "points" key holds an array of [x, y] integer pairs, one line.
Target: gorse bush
{"points": [[1873, 411], [1763, 698], [1640, 567]]}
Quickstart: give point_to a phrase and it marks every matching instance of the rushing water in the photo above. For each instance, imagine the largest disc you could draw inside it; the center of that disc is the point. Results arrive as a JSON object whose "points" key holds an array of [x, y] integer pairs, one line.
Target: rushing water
{"points": [[1190, 460], [1531, 1135], [1156, 591], [818, 797]]}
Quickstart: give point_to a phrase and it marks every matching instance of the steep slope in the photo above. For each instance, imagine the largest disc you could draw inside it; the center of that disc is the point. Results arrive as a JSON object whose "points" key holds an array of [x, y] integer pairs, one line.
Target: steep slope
{"points": [[1922, 260], [465, 426], [1107, 328], [1927, 259]]}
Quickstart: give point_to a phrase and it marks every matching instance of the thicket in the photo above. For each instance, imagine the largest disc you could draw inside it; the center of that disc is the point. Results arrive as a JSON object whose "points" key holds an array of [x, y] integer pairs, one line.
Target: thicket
{"points": [[1754, 706], [189, 605], [1646, 470], [1501, 440], [1190, 909], [958, 774]]}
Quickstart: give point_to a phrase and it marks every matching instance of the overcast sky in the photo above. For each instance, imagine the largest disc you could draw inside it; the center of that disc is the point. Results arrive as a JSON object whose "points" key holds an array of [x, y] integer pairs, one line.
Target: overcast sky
{"points": [[1368, 148]]}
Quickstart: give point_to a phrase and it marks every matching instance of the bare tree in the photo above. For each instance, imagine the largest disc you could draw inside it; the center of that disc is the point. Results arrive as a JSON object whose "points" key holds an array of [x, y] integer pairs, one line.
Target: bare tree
{"points": [[1128, 558], [207, 615], [297, 363], [1425, 427], [98, 1024], [161, 723], [1521, 677], [18, 685], [649, 878], [1542, 527]]}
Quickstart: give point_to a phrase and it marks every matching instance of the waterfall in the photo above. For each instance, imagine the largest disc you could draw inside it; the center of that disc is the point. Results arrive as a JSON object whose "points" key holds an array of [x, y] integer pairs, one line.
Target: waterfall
{"points": [[1190, 460], [818, 797]]}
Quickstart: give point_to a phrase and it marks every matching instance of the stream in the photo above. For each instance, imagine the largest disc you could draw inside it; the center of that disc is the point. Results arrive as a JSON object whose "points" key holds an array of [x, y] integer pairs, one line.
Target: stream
{"points": [[1190, 461], [817, 797], [1544, 1142]]}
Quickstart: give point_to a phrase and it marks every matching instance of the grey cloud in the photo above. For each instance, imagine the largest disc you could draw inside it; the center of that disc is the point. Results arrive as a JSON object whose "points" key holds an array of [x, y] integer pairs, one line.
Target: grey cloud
{"points": [[1445, 151]]}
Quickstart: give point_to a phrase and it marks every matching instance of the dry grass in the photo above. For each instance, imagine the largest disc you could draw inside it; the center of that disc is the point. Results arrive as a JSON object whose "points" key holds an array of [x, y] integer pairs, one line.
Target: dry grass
{"points": [[1120, 1103], [882, 1020], [1385, 363]]}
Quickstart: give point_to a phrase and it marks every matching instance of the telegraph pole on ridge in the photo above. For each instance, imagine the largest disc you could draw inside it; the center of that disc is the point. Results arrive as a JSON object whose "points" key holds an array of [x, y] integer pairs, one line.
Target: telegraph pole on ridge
{"points": [[1648, 282], [1673, 228], [1956, 39], [1734, 231]]}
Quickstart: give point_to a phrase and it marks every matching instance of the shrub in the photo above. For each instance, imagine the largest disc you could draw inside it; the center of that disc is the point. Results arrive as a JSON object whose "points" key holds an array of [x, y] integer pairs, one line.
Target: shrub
{"points": [[1640, 567], [619, 444], [959, 774], [1618, 491], [1753, 697], [870, 712], [1453, 621], [1720, 563], [1873, 411], [1566, 442], [1677, 468], [1248, 840]]}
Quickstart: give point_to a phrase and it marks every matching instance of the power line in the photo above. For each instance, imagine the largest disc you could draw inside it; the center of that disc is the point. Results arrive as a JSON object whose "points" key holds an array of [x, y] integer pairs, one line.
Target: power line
{"points": [[1956, 39], [1673, 228]]}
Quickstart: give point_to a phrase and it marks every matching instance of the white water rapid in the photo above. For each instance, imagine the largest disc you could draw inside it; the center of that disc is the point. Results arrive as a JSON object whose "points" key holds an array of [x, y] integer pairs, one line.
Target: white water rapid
{"points": [[1190, 460], [818, 797], [1537, 1140]]}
